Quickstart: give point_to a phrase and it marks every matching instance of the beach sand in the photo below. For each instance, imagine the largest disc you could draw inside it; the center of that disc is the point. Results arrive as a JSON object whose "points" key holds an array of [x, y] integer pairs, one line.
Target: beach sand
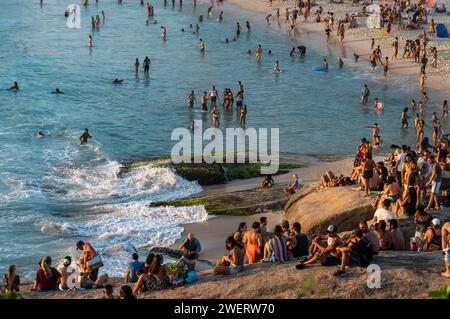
{"points": [[358, 40]]}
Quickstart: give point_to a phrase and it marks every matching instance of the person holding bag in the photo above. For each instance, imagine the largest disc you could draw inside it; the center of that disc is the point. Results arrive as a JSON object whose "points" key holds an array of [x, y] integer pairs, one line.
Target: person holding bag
{"points": [[90, 260]]}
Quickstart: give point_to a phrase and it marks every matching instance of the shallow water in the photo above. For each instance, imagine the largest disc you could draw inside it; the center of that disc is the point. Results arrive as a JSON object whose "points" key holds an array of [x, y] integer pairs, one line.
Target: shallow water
{"points": [[54, 192]]}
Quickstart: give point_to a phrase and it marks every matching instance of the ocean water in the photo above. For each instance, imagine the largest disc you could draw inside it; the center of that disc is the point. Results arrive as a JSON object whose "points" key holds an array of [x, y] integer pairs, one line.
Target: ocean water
{"points": [[54, 192]]}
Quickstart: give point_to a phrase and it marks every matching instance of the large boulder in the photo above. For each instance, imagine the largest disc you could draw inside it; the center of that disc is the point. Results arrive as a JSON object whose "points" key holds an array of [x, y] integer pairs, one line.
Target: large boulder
{"points": [[315, 209]]}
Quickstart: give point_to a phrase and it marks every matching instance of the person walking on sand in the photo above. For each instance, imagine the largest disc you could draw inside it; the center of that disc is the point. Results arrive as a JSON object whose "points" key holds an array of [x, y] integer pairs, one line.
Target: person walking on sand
{"points": [[395, 49], [385, 66], [422, 78]]}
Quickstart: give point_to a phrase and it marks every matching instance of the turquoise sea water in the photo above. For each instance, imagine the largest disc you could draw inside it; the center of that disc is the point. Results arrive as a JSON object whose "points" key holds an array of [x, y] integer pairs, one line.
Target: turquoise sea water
{"points": [[53, 192]]}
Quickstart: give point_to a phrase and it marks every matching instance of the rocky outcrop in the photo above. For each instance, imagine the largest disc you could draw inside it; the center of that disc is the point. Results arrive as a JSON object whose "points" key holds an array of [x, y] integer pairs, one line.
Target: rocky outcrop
{"points": [[315, 209]]}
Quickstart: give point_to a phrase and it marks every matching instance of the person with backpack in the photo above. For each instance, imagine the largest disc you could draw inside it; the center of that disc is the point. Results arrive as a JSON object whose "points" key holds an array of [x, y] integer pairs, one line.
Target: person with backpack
{"points": [[358, 252]]}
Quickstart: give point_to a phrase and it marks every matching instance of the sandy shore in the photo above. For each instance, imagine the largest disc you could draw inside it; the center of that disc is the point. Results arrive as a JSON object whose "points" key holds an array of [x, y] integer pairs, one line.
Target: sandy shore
{"points": [[358, 40]]}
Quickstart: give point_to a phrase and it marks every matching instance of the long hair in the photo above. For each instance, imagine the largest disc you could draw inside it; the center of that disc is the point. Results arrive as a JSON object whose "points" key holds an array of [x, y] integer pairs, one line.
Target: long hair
{"points": [[11, 275], [45, 266], [155, 265]]}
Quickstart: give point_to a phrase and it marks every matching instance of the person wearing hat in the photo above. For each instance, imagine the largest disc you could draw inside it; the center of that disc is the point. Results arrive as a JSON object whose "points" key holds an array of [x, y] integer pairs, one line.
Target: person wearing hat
{"points": [[66, 271], [433, 236], [324, 249]]}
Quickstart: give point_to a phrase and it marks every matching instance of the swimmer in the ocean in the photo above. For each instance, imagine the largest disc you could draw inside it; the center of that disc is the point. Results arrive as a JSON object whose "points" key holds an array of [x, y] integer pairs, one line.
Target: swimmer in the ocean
{"points": [[221, 16], [269, 52], [202, 45], [40, 134], [85, 136], [57, 91], [117, 81], [258, 52], [193, 125], [276, 67], [356, 57], [14, 87], [341, 64], [249, 52], [292, 52], [325, 64], [247, 26]]}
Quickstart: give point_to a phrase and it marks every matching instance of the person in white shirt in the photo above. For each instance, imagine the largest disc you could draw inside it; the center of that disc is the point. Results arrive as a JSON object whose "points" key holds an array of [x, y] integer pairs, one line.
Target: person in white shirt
{"points": [[401, 159], [383, 213]]}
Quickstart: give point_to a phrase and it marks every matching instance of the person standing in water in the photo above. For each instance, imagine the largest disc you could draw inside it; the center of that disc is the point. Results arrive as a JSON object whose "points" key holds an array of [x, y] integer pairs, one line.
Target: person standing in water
{"points": [[146, 65], [395, 49], [276, 67], [385, 66], [445, 108], [220, 16], [90, 41], [85, 136], [247, 26], [163, 32], [202, 45], [213, 96], [258, 52], [240, 89], [341, 63], [404, 118], [243, 116], [365, 92], [238, 29], [203, 100], [215, 116], [136, 66], [191, 99]]}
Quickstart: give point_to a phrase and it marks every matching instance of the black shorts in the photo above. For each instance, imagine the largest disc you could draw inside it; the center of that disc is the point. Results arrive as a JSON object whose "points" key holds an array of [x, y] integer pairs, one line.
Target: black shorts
{"points": [[331, 261], [368, 174], [356, 260]]}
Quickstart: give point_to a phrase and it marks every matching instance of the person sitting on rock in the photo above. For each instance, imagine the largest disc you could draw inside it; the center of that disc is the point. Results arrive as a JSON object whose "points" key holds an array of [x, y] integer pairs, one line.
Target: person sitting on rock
{"points": [[433, 236], [398, 241], [383, 213], [297, 243], [371, 235], [293, 187], [324, 249], [267, 182], [357, 252], [384, 235]]}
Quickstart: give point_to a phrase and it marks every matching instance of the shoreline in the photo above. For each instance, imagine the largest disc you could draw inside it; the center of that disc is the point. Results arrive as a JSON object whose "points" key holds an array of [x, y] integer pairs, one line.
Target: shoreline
{"points": [[358, 41]]}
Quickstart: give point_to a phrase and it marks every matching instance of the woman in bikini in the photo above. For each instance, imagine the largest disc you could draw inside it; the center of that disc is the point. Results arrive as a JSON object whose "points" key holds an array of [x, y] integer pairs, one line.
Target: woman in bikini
{"points": [[234, 261], [252, 244]]}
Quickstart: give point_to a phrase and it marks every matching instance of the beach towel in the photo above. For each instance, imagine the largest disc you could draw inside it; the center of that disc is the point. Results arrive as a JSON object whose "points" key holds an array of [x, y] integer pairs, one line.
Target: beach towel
{"points": [[441, 30], [278, 247]]}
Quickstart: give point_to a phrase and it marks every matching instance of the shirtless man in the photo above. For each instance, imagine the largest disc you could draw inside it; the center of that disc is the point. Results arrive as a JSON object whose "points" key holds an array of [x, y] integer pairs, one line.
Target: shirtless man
{"points": [[368, 167], [445, 233], [422, 78], [191, 99], [326, 254], [203, 101], [85, 136]]}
